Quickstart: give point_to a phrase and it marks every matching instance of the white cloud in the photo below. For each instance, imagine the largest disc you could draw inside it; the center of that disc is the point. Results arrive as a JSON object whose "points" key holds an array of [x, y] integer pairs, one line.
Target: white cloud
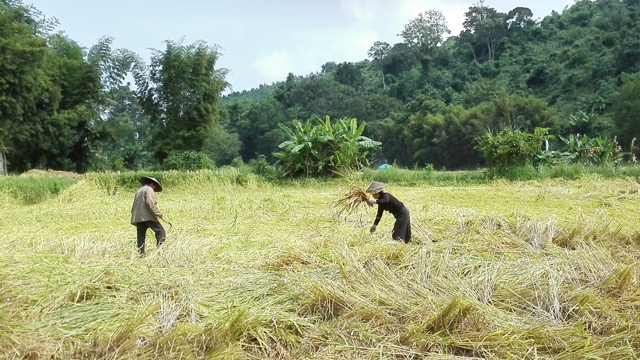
{"points": [[385, 19], [336, 45], [363, 11], [275, 66]]}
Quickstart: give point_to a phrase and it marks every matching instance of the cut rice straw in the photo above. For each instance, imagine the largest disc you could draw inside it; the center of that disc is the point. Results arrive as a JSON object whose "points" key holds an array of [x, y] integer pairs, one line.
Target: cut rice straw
{"points": [[350, 201]]}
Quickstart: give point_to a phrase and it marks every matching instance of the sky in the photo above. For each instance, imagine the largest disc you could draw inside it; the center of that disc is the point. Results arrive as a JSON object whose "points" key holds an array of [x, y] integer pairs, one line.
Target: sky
{"points": [[261, 41]]}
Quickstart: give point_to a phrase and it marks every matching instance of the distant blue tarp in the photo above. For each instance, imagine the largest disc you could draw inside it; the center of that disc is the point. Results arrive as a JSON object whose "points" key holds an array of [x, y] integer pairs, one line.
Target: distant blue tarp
{"points": [[384, 166]]}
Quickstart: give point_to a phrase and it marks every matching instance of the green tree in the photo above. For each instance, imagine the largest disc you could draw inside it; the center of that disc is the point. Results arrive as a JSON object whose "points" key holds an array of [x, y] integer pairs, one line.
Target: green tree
{"points": [[378, 53], [423, 35], [443, 139], [425, 32], [124, 128], [75, 122], [513, 111], [223, 146], [50, 93], [487, 26], [348, 74], [626, 109], [519, 18], [256, 124], [114, 65], [181, 96], [23, 82], [126, 134]]}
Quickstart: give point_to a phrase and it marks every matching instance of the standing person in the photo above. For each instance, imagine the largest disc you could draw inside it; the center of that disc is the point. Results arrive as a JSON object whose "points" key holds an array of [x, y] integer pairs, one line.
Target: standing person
{"points": [[145, 213], [385, 201]]}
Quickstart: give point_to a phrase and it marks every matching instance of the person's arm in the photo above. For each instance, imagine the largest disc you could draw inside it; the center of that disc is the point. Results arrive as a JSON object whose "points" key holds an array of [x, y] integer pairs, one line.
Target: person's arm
{"points": [[378, 216], [377, 220], [150, 200]]}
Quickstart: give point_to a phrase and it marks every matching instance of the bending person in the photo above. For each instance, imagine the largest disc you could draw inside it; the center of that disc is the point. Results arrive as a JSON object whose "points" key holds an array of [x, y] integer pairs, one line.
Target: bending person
{"points": [[386, 201]]}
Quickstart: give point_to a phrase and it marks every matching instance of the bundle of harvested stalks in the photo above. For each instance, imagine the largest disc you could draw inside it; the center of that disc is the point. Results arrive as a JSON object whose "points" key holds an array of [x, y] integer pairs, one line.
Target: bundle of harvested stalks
{"points": [[350, 201]]}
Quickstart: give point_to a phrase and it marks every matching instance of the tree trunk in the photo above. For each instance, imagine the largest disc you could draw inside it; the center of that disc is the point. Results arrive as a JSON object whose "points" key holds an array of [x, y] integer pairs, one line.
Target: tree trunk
{"points": [[3, 163], [384, 85], [475, 59]]}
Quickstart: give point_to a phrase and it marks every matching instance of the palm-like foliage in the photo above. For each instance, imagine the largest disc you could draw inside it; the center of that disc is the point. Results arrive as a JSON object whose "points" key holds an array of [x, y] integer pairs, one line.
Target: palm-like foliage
{"points": [[592, 151], [324, 148]]}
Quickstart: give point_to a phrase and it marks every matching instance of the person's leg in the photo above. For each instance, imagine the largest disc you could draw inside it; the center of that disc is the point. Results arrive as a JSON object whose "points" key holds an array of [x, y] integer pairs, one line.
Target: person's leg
{"points": [[402, 228], [158, 230], [141, 232], [398, 230], [407, 233]]}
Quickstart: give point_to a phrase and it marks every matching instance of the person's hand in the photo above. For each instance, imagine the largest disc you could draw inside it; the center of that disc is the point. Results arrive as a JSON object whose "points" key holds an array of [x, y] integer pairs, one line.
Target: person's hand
{"points": [[373, 229], [371, 201]]}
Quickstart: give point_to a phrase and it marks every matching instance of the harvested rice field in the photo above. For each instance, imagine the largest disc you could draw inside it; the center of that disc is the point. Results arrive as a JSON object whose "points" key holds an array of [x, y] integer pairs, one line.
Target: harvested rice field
{"points": [[252, 270]]}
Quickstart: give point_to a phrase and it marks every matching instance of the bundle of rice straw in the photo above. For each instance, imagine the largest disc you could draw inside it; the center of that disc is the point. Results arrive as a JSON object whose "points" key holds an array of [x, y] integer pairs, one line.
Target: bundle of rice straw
{"points": [[350, 201]]}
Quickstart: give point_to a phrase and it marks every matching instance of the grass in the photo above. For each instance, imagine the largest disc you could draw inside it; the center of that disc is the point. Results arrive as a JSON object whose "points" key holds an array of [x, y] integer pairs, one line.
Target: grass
{"points": [[33, 189], [253, 270]]}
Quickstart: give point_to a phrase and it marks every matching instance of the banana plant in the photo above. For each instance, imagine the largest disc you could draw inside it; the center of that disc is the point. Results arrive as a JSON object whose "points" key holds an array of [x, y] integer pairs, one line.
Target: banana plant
{"points": [[592, 151], [324, 148]]}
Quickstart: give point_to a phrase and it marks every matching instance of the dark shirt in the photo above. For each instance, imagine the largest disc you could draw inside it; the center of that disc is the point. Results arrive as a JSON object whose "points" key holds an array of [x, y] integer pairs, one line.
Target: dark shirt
{"points": [[389, 203]]}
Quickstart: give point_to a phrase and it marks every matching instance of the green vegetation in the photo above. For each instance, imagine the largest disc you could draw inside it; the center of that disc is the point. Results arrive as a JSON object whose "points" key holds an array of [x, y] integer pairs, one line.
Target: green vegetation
{"points": [[324, 148], [511, 148], [32, 190], [523, 195], [429, 99], [253, 269]]}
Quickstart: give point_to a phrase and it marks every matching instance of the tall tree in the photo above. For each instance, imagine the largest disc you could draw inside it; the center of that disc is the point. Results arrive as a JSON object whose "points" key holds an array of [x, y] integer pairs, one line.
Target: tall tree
{"points": [[23, 83], [377, 53], [126, 133], [487, 26], [518, 18], [125, 128], [425, 32], [74, 124], [114, 64], [256, 124], [181, 96]]}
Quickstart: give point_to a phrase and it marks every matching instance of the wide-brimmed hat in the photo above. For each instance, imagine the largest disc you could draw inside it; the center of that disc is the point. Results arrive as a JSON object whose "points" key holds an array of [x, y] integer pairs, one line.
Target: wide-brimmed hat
{"points": [[375, 187], [147, 179]]}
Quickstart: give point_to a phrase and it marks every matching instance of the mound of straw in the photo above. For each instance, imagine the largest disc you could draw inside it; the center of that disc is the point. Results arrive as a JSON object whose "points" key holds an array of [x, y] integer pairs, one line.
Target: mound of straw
{"points": [[351, 200]]}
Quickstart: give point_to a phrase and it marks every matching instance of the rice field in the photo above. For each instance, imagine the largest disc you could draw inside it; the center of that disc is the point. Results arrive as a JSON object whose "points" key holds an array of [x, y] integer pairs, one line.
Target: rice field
{"points": [[253, 270]]}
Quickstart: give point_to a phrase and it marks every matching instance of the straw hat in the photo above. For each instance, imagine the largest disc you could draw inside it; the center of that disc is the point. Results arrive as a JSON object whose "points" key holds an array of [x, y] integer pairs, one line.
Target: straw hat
{"points": [[147, 179], [375, 187]]}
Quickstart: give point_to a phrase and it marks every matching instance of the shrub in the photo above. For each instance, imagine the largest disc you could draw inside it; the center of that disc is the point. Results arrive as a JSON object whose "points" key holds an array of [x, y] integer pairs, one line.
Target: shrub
{"points": [[260, 166], [187, 161], [511, 148]]}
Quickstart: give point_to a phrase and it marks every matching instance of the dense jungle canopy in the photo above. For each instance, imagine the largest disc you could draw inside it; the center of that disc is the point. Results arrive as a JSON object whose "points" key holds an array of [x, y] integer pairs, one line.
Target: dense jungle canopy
{"points": [[428, 100]]}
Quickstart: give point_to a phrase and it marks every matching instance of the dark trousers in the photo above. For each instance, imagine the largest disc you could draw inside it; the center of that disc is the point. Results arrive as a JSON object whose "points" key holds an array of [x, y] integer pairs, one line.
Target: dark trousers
{"points": [[402, 227], [141, 229]]}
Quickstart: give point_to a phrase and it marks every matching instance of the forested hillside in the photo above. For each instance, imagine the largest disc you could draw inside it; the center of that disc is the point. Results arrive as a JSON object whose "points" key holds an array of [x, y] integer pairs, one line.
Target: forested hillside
{"points": [[429, 100]]}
